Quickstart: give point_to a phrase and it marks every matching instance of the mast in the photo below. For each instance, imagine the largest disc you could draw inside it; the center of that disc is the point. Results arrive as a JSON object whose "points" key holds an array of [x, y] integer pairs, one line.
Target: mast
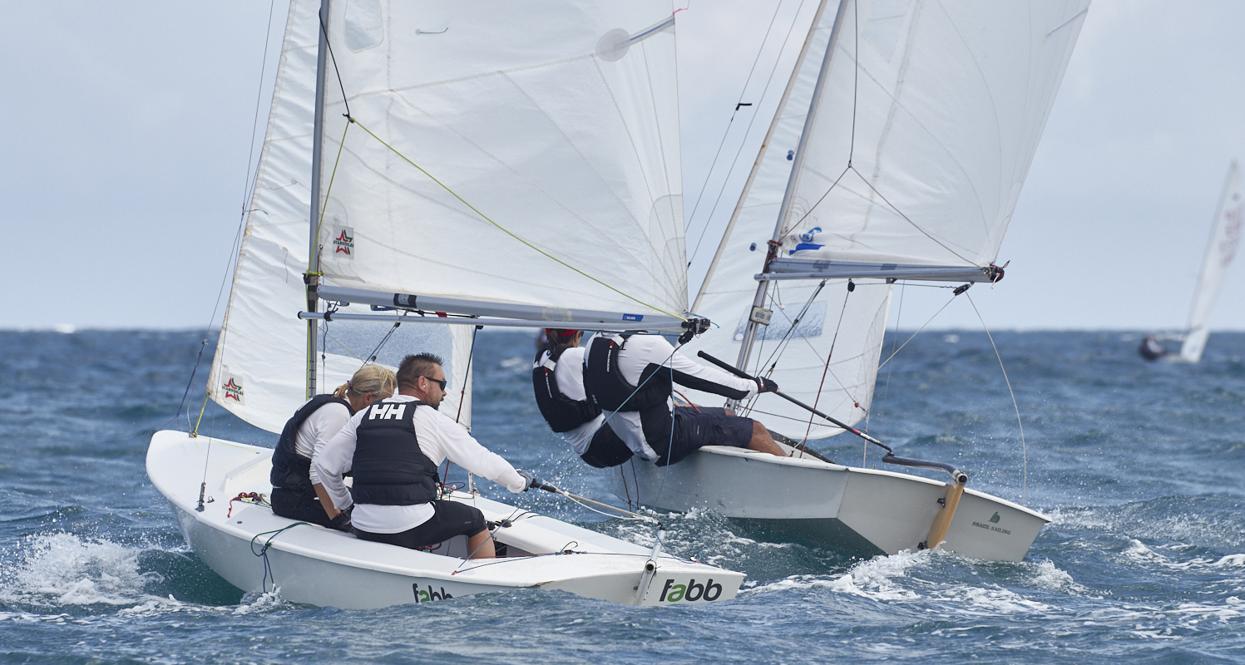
{"points": [[312, 278], [757, 315]]}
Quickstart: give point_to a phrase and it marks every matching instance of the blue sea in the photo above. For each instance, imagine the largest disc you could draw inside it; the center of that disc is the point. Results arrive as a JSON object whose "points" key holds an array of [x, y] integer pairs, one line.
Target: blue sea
{"points": [[1141, 466]]}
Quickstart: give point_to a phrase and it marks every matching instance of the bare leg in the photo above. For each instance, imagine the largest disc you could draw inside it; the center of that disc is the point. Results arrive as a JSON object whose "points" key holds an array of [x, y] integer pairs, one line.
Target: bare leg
{"points": [[480, 546], [763, 442]]}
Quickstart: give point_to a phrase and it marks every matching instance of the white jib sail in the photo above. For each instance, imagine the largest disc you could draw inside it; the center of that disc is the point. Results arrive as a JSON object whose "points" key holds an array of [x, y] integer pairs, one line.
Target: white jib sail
{"points": [[924, 132], [259, 369], [1225, 238], [552, 128]]}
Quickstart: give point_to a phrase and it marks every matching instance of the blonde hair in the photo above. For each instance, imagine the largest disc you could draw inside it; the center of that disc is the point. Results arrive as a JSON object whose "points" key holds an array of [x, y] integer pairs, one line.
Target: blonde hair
{"points": [[369, 380]]}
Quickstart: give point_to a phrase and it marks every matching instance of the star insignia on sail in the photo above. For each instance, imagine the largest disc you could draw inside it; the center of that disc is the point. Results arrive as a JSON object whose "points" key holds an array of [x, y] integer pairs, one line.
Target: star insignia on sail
{"points": [[343, 242], [233, 390]]}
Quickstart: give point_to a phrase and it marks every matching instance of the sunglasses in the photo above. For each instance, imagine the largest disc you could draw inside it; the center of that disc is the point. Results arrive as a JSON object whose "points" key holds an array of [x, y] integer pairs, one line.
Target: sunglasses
{"points": [[440, 382]]}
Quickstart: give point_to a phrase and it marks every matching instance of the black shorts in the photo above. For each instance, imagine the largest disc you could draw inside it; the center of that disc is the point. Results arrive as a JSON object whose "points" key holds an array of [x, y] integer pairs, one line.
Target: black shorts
{"points": [[696, 427], [449, 519], [296, 505], [606, 449]]}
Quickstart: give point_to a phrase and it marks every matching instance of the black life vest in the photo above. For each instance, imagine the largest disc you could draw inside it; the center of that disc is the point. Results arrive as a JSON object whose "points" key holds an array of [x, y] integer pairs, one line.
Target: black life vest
{"points": [[608, 389], [389, 468], [562, 413], [291, 471]]}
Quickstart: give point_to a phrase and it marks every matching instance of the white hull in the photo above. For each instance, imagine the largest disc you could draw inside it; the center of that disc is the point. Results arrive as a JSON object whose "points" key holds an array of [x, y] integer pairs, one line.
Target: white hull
{"points": [[866, 511], [318, 566]]}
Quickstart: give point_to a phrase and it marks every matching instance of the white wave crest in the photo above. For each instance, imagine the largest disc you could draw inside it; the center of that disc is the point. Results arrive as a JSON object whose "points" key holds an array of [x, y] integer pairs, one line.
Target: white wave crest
{"points": [[874, 579], [63, 569], [1048, 576], [1231, 561]]}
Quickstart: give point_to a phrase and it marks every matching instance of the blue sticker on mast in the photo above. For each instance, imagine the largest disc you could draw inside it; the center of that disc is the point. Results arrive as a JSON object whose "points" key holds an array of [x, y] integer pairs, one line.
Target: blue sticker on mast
{"points": [[633, 317]]}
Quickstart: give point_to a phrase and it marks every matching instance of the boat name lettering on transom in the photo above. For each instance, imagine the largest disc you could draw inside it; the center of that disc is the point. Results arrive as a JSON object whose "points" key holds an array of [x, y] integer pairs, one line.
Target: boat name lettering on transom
{"points": [[690, 592], [387, 411], [991, 525]]}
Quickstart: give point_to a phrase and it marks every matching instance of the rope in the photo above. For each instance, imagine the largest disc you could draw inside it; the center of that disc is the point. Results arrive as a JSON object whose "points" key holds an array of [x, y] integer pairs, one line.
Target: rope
{"points": [[263, 552], [821, 385], [916, 332], [333, 58], [341, 146], [479, 213], [462, 393], [1024, 448]]}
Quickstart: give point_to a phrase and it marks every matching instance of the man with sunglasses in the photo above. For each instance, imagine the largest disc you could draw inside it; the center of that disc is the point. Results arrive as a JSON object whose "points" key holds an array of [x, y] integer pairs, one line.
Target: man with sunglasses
{"points": [[393, 449]]}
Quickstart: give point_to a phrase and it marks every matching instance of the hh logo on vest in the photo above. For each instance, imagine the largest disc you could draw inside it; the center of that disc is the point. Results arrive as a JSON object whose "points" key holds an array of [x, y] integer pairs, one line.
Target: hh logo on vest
{"points": [[427, 595], [691, 592], [387, 412]]}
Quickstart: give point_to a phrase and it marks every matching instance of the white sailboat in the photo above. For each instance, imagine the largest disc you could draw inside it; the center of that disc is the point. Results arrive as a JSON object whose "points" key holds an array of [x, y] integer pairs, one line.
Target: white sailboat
{"points": [[1225, 238], [897, 152], [454, 172]]}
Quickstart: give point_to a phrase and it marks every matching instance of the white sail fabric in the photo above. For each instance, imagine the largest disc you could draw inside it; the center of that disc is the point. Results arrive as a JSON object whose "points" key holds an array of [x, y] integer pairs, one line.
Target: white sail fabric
{"points": [[1225, 238], [259, 370], [929, 117], [556, 119]]}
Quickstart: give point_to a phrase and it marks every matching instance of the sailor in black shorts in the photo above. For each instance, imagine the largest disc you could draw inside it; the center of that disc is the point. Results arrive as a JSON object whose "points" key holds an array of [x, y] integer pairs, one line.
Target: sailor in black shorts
{"points": [[631, 377], [393, 449]]}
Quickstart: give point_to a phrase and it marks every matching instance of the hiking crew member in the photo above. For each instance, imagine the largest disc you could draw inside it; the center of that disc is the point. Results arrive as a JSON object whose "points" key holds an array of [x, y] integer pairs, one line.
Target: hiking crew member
{"points": [[558, 382], [296, 489], [631, 376], [393, 449]]}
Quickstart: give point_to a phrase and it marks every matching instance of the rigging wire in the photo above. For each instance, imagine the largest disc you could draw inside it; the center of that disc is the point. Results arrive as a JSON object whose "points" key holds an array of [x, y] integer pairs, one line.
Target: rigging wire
{"points": [[821, 385], [916, 332], [247, 192], [889, 373], [462, 393], [1024, 448], [739, 103], [747, 131], [333, 58], [230, 267]]}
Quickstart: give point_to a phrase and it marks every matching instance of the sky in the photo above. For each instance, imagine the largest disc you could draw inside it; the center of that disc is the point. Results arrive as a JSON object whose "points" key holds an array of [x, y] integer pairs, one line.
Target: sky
{"points": [[128, 140]]}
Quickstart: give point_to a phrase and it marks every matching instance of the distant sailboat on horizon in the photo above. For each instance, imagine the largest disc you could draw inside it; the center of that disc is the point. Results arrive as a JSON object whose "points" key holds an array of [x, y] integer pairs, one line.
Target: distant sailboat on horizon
{"points": [[1225, 237]]}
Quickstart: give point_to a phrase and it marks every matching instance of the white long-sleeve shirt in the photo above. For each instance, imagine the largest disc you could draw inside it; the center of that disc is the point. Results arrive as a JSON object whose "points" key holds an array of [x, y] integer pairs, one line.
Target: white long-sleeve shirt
{"points": [[317, 429], [440, 438], [637, 354], [569, 377]]}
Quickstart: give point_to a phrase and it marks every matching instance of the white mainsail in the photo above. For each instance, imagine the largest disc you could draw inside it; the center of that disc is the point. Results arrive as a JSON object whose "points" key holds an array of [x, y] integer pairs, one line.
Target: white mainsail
{"points": [[921, 138], [553, 126], [563, 133], [1225, 237]]}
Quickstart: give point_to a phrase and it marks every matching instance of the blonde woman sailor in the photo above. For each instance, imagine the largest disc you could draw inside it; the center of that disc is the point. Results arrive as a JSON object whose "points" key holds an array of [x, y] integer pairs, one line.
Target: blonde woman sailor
{"points": [[296, 489]]}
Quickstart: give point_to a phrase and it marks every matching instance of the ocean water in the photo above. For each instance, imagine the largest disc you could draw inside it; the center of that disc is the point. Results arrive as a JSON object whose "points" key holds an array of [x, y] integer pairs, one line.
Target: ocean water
{"points": [[1142, 467]]}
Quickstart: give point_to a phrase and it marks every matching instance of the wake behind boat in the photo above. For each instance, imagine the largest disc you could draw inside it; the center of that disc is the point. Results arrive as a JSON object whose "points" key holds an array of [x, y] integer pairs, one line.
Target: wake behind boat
{"points": [[257, 551]]}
